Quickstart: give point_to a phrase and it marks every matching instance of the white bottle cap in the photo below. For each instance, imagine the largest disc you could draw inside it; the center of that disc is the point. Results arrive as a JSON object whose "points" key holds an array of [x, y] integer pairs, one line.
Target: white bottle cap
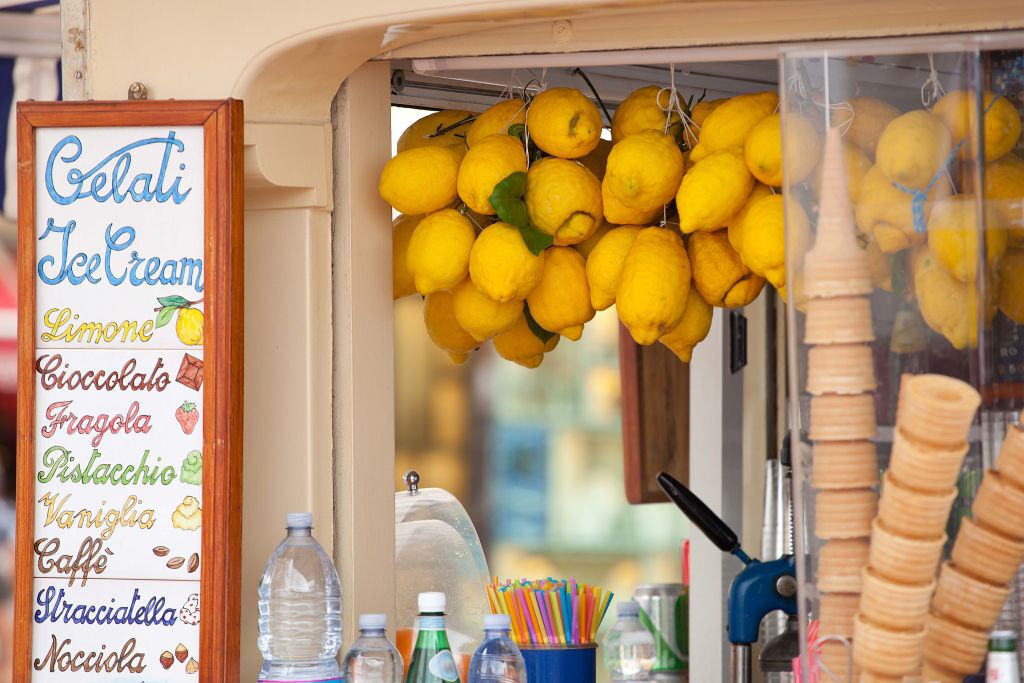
{"points": [[373, 622], [628, 608], [299, 520], [497, 622], [431, 603]]}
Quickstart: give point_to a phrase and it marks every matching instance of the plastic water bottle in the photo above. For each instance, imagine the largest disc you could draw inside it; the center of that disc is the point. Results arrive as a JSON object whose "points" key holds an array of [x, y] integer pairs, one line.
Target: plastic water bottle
{"points": [[498, 659], [300, 609], [373, 658], [628, 646]]}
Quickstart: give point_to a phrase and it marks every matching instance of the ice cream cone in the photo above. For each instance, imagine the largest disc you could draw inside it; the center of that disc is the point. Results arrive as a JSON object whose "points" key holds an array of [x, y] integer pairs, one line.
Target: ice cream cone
{"points": [[844, 464], [836, 614], [904, 559], [842, 418], [840, 369], [923, 467], [968, 600], [936, 410], [838, 658], [986, 554], [886, 651], [844, 513], [839, 565], [1011, 456], [842, 320], [999, 505], [901, 606], [953, 647], [913, 513]]}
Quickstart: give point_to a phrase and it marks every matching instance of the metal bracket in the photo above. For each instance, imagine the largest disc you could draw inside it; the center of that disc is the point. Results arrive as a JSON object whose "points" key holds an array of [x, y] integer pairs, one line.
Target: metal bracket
{"points": [[137, 91]]}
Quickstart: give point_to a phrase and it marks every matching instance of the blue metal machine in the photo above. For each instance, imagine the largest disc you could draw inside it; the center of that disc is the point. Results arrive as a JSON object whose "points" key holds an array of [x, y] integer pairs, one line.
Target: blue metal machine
{"points": [[760, 589]]}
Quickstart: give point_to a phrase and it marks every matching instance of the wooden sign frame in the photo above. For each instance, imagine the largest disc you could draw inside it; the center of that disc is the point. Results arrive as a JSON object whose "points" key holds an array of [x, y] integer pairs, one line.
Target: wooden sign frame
{"points": [[220, 572]]}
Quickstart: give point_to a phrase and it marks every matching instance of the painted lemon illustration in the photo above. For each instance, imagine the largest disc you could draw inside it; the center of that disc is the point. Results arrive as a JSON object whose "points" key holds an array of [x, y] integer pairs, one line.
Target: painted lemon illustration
{"points": [[190, 326]]}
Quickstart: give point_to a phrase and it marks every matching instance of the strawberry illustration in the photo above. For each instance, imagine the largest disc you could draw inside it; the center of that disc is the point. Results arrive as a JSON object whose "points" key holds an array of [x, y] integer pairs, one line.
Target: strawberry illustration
{"points": [[187, 416]]}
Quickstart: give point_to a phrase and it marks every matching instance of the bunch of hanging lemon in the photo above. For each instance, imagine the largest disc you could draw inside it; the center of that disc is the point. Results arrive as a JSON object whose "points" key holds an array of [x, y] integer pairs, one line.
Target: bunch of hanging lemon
{"points": [[892, 158], [525, 252]]}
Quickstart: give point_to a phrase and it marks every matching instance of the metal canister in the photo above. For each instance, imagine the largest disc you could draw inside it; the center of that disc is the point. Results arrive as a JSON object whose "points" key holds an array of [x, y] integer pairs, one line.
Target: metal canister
{"points": [[664, 610], [1001, 666]]}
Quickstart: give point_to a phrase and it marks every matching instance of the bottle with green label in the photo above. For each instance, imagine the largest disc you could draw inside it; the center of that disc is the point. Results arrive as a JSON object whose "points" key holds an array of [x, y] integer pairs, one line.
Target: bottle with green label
{"points": [[432, 659]]}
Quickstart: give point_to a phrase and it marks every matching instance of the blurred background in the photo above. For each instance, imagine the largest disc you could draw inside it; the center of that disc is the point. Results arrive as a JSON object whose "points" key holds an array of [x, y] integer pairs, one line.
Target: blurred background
{"points": [[535, 456]]}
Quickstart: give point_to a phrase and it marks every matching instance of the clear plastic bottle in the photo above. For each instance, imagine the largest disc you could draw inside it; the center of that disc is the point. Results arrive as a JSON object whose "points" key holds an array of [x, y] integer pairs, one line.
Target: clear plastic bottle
{"points": [[629, 647], [498, 659], [373, 658], [300, 609]]}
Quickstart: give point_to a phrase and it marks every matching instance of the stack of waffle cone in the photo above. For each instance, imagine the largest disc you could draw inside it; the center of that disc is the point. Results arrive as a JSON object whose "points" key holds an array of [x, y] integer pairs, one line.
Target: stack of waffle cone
{"points": [[975, 582], [897, 586], [841, 382]]}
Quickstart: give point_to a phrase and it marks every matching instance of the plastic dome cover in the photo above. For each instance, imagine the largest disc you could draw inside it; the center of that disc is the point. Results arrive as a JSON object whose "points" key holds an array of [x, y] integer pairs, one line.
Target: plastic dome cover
{"points": [[437, 549]]}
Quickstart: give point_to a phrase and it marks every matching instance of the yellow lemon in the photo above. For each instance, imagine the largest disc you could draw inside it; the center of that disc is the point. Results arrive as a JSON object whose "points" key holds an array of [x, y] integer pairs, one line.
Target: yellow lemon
{"points": [[953, 236], [480, 315], [1004, 188], [718, 272], [692, 328], [886, 213], [563, 200], [561, 300], [764, 236], [698, 114], [913, 149], [620, 214], [727, 126], [870, 116], [420, 180], [735, 223], [520, 345], [949, 307], [502, 266], [587, 246], [1002, 122], [417, 134], [444, 330], [641, 111], [653, 285], [713, 191], [189, 327], [564, 123], [604, 265], [644, 170], [496, 120], [402, 281], [489, 162], [1011, 285], [763, 149], [799, 291], [438, 253], [597, 160]]}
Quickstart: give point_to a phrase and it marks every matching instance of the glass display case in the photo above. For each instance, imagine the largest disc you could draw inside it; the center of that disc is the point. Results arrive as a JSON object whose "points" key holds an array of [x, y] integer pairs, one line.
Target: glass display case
{"points": [[903, 187]]}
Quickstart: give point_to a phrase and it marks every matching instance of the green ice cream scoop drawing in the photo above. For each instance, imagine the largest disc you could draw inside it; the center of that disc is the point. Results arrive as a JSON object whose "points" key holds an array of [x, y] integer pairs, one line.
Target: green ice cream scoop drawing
{"points": [[192, 468]]}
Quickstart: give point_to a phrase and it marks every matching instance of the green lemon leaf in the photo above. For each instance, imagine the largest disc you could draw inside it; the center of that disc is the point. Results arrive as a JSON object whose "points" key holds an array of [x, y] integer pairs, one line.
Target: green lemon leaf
{"points": [[536, 241], [513, 186], [538, 331], [165, 315], [511, 210], [174, 300]]}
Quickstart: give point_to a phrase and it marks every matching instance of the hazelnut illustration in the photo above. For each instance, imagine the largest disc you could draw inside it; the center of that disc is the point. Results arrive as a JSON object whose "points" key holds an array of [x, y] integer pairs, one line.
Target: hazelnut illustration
{"points": [[181, 652], [192, 666], [166, 659]]}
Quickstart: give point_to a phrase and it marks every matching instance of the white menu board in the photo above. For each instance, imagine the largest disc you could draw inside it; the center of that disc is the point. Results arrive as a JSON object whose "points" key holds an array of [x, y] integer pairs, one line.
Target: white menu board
{"points": [[118, 408]]}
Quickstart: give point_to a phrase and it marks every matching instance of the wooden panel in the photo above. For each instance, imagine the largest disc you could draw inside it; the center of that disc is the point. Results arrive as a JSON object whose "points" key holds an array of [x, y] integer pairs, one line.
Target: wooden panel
{"points": [[222, 349], [655, 417]]}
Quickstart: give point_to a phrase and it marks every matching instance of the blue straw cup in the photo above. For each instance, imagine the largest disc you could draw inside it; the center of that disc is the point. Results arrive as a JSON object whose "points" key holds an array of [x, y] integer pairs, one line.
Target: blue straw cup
{"points": [[561, 664]]}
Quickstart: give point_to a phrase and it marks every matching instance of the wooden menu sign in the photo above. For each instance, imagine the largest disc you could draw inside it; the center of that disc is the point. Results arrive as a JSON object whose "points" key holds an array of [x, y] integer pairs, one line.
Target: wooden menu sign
{"points": [[129, 391]]}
